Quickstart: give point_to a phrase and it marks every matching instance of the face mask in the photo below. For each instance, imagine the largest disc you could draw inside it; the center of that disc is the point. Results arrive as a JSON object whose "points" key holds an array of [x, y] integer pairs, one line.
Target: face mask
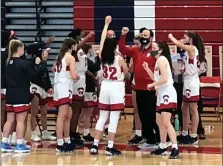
{"points": [[144, 41], [74, 53], [154, 53]]}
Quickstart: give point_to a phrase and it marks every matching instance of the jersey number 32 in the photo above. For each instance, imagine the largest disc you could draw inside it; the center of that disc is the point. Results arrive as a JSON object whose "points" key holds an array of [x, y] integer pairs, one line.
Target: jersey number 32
{"points": [[109, 72]]}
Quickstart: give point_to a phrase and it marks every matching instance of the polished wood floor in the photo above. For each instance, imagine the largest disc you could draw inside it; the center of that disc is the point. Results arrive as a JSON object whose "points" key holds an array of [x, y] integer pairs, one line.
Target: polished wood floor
{"points": [[208, 152]]}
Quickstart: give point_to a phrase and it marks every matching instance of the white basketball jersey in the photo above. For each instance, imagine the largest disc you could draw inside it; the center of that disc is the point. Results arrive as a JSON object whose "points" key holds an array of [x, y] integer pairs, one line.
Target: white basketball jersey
{"points": [[62, 72], [81, 64], [113, 72], [192, 65], [157, 75]]}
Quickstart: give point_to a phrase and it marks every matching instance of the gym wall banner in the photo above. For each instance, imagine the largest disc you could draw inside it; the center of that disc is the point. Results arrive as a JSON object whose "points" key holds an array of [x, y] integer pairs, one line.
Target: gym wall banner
{"points": [[208, 56], [220, 61]]}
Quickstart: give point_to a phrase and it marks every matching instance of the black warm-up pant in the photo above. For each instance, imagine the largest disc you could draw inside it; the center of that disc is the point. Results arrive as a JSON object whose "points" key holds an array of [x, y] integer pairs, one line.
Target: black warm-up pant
{"points": [[146, 103]]}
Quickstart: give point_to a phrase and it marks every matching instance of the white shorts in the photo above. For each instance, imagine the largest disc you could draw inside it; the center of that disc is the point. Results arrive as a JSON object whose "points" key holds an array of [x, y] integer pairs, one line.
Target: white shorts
{"points": [[3, 94], [79, 89], [63, 93], [90, 99], [112, 96], [166, 98], [191, 89], [40, 92]]}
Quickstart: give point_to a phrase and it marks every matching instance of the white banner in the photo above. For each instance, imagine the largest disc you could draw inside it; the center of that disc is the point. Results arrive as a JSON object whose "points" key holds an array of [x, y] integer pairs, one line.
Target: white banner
{"points": [[173, 49], [208, 56], [220, 60]]}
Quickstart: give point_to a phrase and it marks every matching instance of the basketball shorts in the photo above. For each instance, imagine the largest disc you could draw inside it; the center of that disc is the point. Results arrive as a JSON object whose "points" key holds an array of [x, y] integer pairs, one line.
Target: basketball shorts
{"points": [[191, 89], [112, 96], [40, 93], [79, 89], [63, 93], [3, 94], [166, 98], [90, 99], [17, 100]]}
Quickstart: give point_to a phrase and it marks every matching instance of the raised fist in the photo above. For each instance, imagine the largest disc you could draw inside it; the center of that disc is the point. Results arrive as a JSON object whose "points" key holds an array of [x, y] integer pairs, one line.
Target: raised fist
{"points": [[125, 30], [170, 35], [90, 34], [38, 60], [108, 19]]}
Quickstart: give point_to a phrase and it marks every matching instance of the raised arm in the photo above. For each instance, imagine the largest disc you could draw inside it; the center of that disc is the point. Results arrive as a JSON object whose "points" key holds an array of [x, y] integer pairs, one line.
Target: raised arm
{"points": [[128, 51], [82, 42], [179, 44], [108, 20]]}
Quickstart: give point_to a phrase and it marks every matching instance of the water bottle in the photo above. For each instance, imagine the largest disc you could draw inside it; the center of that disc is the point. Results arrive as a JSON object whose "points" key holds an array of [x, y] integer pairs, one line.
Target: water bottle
{"points": [[176, 123]]}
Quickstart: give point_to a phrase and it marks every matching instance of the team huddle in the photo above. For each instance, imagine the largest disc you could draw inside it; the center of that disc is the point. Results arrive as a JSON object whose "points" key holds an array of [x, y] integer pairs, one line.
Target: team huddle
{"points": [[77, 72]]}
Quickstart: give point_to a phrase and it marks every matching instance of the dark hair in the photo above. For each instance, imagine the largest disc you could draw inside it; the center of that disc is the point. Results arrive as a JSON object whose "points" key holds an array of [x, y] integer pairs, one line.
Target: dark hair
{"points": [[108, 51], [86, 47], [142, 29], [66, 45], [75, 33], [165, 52], [198, 43], [151, 33]]}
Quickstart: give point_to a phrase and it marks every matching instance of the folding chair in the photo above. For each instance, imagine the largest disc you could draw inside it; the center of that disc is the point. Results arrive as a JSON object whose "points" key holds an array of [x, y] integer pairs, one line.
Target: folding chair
{"points": [[210, 94]]}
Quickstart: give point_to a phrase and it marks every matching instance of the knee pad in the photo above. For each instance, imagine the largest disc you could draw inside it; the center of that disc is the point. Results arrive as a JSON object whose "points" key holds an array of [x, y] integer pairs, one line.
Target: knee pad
{"points": [[114, 118]]}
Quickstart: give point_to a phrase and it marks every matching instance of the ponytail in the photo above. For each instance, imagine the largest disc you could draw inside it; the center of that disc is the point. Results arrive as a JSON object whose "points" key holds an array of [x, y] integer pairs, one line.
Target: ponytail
{"points": [[10, 54], [201, 48]]}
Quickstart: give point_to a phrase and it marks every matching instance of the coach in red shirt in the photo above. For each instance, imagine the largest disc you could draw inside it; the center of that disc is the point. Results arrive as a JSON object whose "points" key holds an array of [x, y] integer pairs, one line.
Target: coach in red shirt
{"points": [[145, 99]]}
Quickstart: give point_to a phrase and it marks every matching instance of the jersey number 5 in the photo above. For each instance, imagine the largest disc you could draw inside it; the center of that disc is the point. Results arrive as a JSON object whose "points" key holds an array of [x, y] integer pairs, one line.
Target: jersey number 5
{"points": [[109, 72]]}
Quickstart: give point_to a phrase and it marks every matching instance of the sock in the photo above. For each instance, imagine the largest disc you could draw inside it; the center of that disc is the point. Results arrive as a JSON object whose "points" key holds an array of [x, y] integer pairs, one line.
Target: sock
{"points": [[20, 141], [96, 142], [193, 135], [184, 133], [110, 144], [138, 133], [60, 142], [86, 132], [106, 126], [5, 140], [67, 140], [174, 146], [162, 145]]}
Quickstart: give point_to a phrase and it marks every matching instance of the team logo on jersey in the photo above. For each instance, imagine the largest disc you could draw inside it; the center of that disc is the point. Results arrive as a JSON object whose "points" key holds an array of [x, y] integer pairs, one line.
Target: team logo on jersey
{"points": [[94, 97], [80, 92], [165, 99], [33, 90], [188, 91], [70, 94]]}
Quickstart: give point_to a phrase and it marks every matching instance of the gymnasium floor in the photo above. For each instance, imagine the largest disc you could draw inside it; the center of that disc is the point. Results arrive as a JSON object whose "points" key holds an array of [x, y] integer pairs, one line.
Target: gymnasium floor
{"points": [[208, 152]]}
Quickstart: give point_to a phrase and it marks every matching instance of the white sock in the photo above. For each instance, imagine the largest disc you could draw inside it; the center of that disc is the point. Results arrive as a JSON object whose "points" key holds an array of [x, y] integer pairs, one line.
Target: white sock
{"points": [[193, 135], [20, 141], [138, 133], [67, 140], [184, 133], [174, 146], [110, 144], [96, 142], [86, 132], [162, 145], [60, 142], [5, 140]]}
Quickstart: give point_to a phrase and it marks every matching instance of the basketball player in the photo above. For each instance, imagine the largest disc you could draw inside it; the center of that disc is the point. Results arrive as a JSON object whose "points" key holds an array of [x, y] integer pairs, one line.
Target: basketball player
{"points": [[40, 87], [18, 74], [166, 97], [65, 73], [136, 123], [90, 97], [193, 45], [112, 92]]}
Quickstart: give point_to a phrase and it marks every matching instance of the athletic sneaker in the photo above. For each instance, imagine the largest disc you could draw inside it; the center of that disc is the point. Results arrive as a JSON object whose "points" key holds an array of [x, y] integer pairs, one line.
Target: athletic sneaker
{"points": [[22, 148], [69, 147], [135, 140], [175, 154], [193, 141], [35, 137], [6, 147], [88, 138], [112, 152], [147, 146], [94, 150], [77, 143], [159, 151], [74, 135], [61, 149], [47, 136], [183, 139]]}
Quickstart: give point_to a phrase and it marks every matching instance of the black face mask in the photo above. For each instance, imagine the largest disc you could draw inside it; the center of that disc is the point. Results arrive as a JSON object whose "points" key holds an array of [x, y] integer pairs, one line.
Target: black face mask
{"points": [[154, 53], [74, 53], [144, 41]]}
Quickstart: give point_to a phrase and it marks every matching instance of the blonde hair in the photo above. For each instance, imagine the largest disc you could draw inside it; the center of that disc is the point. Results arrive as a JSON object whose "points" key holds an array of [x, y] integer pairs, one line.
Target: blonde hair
{"points": [[13, 47]]}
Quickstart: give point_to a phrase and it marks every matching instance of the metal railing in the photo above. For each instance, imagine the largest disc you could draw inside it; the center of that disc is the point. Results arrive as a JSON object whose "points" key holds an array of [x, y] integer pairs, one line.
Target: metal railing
{"points": [[39, 21]]}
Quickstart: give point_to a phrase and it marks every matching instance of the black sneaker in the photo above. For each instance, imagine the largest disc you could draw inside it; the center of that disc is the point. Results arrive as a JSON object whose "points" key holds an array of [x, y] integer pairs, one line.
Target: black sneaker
{"points": [[184, 139], [193, 141], [77, 143], [94, 150], [74, 135], [159, 151], [88, 138], [175, 154], [180, 138], [112, 152], [135, 140], [61, 149], [69, 147]]}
